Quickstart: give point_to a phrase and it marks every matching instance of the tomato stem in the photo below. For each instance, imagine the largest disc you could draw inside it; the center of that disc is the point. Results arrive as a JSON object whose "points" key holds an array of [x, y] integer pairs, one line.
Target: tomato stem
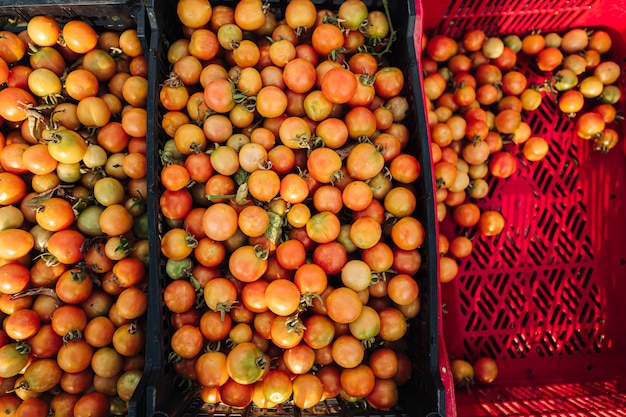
{"points": [[224, 308], [72, 336], [174, 357], [36, 291], [261, 252], [190, 240], [22, 347], [186, 384]]}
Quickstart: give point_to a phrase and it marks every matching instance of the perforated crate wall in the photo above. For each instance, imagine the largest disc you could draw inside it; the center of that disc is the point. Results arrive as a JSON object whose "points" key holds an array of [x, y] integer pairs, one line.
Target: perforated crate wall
{"points": [[545, 298]]}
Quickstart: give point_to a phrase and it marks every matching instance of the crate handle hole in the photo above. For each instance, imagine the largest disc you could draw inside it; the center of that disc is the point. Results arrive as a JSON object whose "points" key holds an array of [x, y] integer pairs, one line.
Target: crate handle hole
{"points": [[590, 368], [528, 372], [622, 261], [612, 196]]}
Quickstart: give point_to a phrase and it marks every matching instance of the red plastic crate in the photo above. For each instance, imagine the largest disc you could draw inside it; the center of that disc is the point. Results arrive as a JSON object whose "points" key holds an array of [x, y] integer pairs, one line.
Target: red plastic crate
{"points": [[545, 298]]}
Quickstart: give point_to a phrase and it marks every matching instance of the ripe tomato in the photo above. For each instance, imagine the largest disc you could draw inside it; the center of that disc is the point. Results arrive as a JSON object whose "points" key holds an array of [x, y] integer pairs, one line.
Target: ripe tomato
{"points": [[364, 162], [264, 185], [339, 85], [535, 148], [14, 277], [502, 164], [441, 48], [220, 221], [357, 382], [491, 223], [343, 305], [485, 370], [246, 363], [15, 243], [384, 394], [282, 297], [462, 372], [277, 386], [589, 124], [10, 97], [323, 227], [307, 390], [248, 263]]}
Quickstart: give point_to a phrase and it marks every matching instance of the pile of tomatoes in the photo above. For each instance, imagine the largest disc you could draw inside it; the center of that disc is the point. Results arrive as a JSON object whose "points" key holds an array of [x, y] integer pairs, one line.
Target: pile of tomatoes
{"points": [[73, 227], [477, 101], [288, 195]]}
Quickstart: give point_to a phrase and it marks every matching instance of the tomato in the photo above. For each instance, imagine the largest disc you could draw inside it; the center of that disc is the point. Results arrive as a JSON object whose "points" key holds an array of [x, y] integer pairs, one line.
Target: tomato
{"points": [[323, 227], [32, 406], [339, 85], [264, 185], [357, 382], [15, 243], [42, 375], [393, 325], [9, 404], [462, 372], [535, 148], [220, 221], [282, 297], [277, 386], [485, 370], [589, 125], [12, 47], [129, 339], [74, 286], [384, 394], [466, 215], [364, 162], [507, 121], [66, 146], [12, 360], [434, 86], [367, 324], [384, 363], [607, 141], [187, 341], [331, 257], [219, 294], [600, 41], [571, 102], [247, 263], [93, 404], [574, 40], [402, 289], [502, 164], [441, 48], [343, 305], [549, 58], [307, 390], [246, 363], [128, 272], [493, 48], [491, 223], [14, 277], [591, 87], [10, 99], [513, 83]]}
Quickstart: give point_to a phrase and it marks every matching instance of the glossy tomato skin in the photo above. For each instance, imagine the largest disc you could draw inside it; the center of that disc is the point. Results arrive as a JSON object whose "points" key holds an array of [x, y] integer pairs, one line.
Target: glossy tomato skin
{"points": [[246, 363], [502, 165], [485, 370]]}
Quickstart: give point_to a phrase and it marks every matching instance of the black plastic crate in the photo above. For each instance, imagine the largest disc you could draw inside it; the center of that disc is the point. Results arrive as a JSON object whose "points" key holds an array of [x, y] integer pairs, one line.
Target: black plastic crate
{"points": [[424, 395], [102, 15]]}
